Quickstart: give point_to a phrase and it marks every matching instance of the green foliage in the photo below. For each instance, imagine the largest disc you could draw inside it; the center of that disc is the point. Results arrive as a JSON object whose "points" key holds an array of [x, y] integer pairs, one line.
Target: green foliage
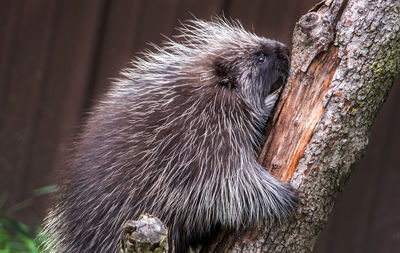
{"points": [[16, 237]]}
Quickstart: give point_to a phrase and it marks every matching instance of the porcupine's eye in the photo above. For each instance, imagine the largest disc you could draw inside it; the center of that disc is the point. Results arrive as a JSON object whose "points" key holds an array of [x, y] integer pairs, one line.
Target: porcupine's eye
{"points": [[261, 58]]}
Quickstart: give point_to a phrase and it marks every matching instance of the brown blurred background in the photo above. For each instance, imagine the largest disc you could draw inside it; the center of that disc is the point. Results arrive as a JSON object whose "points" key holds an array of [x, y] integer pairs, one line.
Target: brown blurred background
{"points": [[57, 56]]}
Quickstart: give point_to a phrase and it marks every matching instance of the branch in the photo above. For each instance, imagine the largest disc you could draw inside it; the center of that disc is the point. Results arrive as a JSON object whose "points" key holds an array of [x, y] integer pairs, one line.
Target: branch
{"points": [[344, 61]]}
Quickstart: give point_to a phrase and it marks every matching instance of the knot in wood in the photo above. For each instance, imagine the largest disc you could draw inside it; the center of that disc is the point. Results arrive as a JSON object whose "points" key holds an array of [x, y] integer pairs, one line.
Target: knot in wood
{"points": [[308, 22]]}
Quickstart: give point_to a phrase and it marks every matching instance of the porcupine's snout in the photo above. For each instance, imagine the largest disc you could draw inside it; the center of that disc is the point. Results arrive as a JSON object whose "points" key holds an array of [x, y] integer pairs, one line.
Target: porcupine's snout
{"points": [[283, 66]]}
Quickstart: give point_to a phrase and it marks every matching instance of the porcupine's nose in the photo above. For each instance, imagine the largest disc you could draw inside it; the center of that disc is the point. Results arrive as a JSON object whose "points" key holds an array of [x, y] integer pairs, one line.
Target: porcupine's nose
{"points": [[283, 63], [283, 51], [283, 54]]}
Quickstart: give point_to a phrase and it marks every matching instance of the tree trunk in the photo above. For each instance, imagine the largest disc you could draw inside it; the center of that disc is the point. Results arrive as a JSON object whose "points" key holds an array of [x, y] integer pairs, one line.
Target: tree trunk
{"points": [[346, 55]]}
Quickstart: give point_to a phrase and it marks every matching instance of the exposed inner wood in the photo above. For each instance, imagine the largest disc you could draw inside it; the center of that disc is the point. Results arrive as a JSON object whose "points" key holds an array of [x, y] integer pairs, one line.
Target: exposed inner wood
{"points": [[299, 113]]}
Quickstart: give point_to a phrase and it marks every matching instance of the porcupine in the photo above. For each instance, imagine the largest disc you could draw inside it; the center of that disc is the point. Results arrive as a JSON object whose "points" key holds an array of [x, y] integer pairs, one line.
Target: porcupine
{"points": [[177, 137]]}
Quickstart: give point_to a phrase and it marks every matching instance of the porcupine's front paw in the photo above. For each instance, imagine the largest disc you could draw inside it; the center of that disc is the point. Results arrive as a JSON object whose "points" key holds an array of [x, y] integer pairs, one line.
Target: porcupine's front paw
{"points": [[289, 200], [283, 199], [293, 196]]}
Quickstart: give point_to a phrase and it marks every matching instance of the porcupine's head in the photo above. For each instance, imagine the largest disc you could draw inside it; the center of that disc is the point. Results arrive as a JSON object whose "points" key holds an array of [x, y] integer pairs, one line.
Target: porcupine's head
{"points": [[235, 60], [222, 56], [252, 67]]}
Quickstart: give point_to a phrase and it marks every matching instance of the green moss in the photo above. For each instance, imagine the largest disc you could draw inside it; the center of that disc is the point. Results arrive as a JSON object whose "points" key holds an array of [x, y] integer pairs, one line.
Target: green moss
{"points": [[386, 61]]}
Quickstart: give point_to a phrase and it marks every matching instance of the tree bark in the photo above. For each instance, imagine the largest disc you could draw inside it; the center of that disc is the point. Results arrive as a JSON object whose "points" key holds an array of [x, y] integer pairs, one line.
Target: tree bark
{"points": [[345, 58]]}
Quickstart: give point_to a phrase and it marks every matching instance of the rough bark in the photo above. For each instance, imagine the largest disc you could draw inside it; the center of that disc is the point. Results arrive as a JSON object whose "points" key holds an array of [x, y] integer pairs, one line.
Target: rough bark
{"points": [[345, 57]]}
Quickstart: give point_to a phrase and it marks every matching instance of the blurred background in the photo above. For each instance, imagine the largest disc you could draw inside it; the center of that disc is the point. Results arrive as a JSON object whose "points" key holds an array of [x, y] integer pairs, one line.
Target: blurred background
{"points": [[58, 56]]}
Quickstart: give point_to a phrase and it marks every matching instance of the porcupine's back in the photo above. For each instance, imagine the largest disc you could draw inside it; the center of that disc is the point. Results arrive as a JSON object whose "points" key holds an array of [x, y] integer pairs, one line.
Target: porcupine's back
{"points": [[173, 140]]}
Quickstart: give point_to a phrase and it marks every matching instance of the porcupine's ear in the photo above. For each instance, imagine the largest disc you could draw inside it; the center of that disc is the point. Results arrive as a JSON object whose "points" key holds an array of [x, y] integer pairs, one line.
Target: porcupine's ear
{"points": [[222, 72]]}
